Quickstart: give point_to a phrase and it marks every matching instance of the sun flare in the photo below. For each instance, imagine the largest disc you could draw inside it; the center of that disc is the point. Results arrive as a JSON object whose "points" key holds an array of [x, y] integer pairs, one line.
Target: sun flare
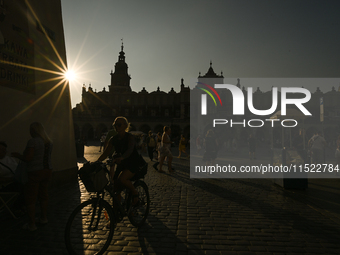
{"points": [[70, 75]]}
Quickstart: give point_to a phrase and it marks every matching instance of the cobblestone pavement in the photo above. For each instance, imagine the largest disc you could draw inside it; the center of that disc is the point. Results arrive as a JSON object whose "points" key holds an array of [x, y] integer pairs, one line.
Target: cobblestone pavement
{"points": [[200, 216]]}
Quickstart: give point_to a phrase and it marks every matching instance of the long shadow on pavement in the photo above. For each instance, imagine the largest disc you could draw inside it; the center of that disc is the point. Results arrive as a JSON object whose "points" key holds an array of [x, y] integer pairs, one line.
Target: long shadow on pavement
{"points": [[162, 240], [328, 233]]}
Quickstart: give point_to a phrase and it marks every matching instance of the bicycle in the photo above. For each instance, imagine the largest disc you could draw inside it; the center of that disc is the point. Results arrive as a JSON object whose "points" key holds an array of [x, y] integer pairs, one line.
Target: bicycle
{"points": [[91, 225]]}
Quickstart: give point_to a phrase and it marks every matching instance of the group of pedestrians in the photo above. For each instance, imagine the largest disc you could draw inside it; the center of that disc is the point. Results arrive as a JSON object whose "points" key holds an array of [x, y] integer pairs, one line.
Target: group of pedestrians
{"points": [[209, 145], [317, 145], [161, 145], [37, 156], [164, 151], [37, 160]]}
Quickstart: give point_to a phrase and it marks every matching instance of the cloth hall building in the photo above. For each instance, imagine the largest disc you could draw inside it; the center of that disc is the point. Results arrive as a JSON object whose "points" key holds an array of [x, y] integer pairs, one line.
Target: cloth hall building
{"points": [[144, 110], [152, 110]]}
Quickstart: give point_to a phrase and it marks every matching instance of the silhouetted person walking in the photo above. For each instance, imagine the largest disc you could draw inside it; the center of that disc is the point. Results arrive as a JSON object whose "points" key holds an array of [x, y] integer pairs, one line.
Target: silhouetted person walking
{"points": [[151, 144], [252, 146], [38, 157]]}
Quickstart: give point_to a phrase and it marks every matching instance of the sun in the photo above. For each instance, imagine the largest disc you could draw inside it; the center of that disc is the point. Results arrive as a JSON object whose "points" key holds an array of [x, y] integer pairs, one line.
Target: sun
{"points": [[70, 75]]}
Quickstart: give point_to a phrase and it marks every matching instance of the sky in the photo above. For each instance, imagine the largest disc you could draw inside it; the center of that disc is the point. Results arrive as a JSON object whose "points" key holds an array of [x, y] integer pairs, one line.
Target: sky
{"points": [[165, 41]]}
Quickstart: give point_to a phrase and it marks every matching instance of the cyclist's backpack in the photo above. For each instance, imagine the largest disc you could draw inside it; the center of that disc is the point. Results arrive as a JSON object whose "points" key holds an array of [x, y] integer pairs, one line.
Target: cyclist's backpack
{"points": [[93, 175], [143, 169]]}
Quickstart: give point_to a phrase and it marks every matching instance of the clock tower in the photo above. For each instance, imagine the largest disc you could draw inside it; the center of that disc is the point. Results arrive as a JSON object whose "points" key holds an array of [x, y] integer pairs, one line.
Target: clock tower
{"points": [[120, 79]]}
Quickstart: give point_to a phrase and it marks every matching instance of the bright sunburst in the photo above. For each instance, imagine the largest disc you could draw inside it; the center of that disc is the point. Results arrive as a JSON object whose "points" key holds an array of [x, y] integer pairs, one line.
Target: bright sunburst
{"points": [[70, 75], [60, 73]]}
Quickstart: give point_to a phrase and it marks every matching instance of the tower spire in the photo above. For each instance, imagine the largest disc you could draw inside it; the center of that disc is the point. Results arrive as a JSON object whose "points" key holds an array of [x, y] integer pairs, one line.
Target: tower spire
{"points": [[120, 79], [211, 73]]}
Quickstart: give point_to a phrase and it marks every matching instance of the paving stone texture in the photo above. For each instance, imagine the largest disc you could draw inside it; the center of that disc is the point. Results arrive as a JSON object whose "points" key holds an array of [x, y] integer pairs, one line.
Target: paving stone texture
{"points": [[200, 216]]}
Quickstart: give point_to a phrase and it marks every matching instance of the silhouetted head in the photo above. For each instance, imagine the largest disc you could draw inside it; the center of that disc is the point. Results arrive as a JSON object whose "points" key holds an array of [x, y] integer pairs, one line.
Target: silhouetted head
{"points": [[121, 124], [167, 129], [38, 130]]}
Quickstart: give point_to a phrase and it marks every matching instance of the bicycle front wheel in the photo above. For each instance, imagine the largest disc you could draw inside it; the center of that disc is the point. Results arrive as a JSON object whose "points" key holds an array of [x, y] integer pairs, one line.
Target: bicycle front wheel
{"points": [[138, 214], [90, 228]]}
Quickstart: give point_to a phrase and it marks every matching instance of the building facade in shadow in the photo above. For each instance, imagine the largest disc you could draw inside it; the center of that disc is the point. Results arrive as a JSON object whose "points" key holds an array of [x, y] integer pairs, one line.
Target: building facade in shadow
{"points": [[145, 110], [152, 110]]}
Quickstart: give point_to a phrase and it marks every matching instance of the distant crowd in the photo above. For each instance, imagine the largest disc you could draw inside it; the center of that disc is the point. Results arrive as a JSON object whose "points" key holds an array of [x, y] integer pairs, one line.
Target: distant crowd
{"points": [[29, 173]]}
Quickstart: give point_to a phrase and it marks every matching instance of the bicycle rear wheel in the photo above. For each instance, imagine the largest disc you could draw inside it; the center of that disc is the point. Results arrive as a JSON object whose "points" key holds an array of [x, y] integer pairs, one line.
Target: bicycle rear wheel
{"points": [[138, 214], [90, 228]]}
